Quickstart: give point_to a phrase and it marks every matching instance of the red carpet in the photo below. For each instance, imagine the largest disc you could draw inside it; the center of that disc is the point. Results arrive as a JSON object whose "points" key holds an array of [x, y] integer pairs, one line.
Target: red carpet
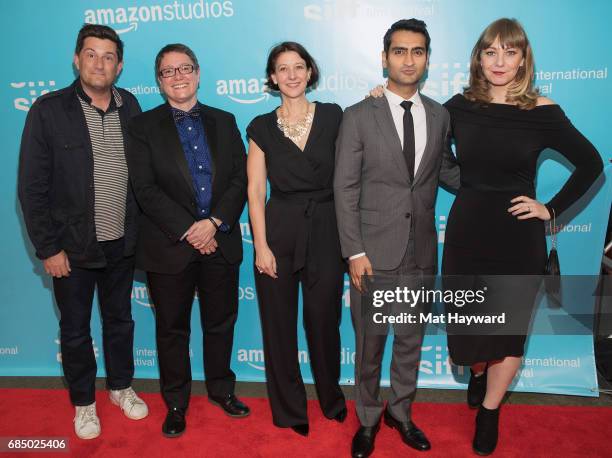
{"points": [[526, 430]]}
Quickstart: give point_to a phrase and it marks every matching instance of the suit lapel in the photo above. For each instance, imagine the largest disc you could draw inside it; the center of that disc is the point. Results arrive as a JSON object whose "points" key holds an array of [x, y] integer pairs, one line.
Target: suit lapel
{"points": [[430, 120], [175, 148], [384, 119]]}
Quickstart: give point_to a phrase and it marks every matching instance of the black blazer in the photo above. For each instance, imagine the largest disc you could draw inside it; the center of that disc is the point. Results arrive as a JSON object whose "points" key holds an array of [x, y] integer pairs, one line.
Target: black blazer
{"points": [[55, 183], [164, 187]]}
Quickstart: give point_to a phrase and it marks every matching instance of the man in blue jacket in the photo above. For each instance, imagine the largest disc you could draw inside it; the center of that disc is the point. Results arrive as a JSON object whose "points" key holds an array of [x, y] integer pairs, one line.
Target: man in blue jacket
{"points": [[81, 218]]}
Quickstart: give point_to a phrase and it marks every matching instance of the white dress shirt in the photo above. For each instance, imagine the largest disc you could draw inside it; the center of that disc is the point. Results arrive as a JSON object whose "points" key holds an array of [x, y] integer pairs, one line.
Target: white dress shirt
{"points": [[420, 128], [420, 124]]}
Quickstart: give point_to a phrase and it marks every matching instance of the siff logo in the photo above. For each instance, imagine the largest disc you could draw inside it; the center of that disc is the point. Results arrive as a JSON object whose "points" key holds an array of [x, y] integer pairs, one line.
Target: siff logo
{"points": [[445, 79], [35, 89], [96, 351], [441, 361], [126, 19], [331, 9], [245, 91]]}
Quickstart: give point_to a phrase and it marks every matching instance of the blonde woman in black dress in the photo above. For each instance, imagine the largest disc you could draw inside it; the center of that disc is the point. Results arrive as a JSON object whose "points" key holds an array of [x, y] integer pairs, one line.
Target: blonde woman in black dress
{"points": [[496, 226], [296, 238]]}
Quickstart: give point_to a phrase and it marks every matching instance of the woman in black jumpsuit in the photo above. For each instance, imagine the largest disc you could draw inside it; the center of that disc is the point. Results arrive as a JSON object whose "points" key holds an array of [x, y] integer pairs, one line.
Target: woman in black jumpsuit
{"points": [[296, 238]]}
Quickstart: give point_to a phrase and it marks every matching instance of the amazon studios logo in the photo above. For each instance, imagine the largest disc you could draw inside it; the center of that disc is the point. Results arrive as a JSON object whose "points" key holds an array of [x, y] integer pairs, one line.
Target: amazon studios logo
{"points": [[246, 91], [254, 90], [434, 360], [245, 230], [254, 357], [126, 19], [141, 296]]}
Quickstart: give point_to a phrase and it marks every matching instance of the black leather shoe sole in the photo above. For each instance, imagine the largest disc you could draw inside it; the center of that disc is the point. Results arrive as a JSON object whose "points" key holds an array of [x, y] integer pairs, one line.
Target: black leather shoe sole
{"points": [[172, 435], [229, 414], [175, 431], [481, 453], [363, 446], [394, 424]]}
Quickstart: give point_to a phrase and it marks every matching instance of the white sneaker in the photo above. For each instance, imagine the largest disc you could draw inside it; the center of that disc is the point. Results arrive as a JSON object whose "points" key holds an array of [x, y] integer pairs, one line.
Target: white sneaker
{"points": [[86, 422], [133, 407]]}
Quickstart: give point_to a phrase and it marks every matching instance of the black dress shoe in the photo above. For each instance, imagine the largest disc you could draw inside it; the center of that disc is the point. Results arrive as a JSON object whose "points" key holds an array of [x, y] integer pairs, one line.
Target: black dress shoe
{"points": [[363, 441], [485, 438], [174, 424], [477, 388], [231, 405], [410, 434], [340, 416], [302, 430]]}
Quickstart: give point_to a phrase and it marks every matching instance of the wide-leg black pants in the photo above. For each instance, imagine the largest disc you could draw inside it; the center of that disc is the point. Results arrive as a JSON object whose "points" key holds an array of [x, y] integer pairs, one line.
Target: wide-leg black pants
{"points": [[322, 302]]}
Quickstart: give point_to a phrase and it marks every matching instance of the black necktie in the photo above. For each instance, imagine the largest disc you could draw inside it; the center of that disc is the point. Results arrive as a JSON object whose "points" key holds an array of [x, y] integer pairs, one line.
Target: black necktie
{"points": [[409, 150], [180, 114]]}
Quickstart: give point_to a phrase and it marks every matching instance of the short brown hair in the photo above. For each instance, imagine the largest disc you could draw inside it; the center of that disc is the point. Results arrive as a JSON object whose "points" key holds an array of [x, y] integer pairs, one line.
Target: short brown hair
{"points": [[295, 47], [102, 32], [521, 91], [179, 48]]}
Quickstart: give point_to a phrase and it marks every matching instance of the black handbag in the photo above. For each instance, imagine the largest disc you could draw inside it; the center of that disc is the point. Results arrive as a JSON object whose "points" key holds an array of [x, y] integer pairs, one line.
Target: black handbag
{"points": [[552, 269]]}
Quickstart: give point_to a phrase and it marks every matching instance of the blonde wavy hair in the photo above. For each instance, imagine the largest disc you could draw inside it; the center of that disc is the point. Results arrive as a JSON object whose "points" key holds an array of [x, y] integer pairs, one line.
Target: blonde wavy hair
{"points": [[521, 91]]}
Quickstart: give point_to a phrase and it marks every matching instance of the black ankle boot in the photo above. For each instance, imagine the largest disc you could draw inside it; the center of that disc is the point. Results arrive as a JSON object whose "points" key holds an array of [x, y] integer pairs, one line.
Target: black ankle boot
{"points": [[485, 438], [477, 388]]}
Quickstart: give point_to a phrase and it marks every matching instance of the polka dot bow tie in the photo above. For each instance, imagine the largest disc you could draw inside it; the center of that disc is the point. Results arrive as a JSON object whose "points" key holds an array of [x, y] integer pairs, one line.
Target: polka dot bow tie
{"points": [[180, 114]]}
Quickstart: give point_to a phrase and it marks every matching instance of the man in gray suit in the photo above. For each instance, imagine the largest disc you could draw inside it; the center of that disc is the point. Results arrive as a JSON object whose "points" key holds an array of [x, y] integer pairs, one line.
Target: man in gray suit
{"points": [[391, 153]]}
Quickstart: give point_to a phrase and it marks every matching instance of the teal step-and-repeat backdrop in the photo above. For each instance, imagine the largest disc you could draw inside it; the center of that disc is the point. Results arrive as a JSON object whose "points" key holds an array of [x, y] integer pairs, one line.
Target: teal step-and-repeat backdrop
{"points": [[231, 39]]}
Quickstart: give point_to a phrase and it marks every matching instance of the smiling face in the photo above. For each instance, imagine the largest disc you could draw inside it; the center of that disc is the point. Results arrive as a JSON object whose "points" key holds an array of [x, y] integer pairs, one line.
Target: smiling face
{"points": [[98, 64], [180, 89], [500, 64], [291, 74], [406, 60]]}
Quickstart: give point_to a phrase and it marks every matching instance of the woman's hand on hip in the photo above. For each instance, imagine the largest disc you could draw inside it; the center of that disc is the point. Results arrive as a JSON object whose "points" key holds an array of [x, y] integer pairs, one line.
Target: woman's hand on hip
{"points": [[525, 208]]}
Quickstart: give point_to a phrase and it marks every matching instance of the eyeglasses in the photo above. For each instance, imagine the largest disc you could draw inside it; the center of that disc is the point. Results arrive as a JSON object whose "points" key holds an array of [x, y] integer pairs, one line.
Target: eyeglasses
{"points": [[183, 69]]}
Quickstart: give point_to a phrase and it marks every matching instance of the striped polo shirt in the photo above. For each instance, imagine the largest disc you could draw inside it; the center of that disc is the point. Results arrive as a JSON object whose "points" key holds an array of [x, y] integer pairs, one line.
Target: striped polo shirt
{"points": [[110, 170]]}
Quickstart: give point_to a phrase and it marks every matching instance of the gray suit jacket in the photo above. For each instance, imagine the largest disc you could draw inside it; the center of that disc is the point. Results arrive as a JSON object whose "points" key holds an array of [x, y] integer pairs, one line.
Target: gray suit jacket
{"points": [[375, 201]]}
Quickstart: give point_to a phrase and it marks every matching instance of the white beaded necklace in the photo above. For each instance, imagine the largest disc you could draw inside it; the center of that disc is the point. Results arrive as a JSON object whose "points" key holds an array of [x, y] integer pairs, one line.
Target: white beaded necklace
{"points": [[294, 131]]}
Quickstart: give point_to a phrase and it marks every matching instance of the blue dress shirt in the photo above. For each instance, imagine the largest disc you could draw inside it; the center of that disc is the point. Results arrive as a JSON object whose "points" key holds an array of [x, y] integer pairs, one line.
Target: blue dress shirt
{"points": [[197, 153]]}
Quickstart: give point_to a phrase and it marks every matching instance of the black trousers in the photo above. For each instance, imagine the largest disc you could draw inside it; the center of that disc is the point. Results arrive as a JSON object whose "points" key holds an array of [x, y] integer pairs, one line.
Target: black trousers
{"points": [[216, 282], [322, 306], [74, 297]]}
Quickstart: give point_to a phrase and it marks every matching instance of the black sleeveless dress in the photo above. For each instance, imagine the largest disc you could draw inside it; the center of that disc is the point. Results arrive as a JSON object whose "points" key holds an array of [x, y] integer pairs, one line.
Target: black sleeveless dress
{"points": [[497, 148]]}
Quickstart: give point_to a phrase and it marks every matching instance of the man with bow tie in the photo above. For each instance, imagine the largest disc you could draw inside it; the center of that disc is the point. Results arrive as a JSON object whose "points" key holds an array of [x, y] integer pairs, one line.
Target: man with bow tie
{"points": [[187, 165]]}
